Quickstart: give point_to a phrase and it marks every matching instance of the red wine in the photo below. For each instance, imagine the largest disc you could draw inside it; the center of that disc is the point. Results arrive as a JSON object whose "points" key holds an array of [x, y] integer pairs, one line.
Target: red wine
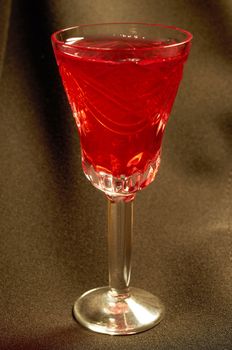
{"points": [[121, 92]]}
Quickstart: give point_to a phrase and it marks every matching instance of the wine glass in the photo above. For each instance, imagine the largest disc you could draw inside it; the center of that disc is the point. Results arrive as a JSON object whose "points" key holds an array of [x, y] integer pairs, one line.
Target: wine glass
{"points": [[121, 80]]}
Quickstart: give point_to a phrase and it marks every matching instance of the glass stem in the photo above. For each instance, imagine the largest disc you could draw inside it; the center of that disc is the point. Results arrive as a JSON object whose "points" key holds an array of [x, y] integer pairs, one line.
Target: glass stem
{"points": [[120, 222]]}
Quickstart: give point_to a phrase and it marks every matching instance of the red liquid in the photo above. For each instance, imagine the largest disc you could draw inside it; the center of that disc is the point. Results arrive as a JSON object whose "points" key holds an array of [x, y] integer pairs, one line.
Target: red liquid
{"points": [[121, 99]]}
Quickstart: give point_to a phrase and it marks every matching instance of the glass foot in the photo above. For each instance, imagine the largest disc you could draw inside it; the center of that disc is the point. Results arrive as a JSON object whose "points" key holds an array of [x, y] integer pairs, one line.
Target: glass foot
{"points": [[104, 312]]}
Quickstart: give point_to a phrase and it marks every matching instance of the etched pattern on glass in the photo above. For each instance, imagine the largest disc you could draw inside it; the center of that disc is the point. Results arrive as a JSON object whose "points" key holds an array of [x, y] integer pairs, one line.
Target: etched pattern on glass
{"points": [[131, 115]]}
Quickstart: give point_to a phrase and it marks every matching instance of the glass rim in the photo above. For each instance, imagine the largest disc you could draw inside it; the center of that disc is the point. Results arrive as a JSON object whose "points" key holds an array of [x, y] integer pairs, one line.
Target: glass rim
{"points": [[188, 38]]}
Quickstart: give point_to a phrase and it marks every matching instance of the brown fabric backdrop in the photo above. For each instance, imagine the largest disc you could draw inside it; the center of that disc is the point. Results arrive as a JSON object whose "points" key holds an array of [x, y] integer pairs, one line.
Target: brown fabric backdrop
{"points": [[53, 222]]}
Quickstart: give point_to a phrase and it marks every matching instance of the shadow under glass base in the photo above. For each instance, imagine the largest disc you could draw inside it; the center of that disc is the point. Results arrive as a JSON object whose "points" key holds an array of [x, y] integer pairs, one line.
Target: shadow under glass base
{"points": [[102, 311]]}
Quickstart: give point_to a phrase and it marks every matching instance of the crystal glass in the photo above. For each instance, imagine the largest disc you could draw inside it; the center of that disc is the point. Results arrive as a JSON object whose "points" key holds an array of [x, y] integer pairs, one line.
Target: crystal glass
{"points": [[121, 80]]}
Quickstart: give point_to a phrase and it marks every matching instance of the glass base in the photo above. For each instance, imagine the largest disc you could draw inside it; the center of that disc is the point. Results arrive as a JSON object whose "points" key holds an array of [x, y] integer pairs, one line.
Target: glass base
{"points": [[124, 185], [103, 311]]}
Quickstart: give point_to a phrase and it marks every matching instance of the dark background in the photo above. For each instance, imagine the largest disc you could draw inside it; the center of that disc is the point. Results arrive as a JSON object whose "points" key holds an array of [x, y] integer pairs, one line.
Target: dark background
{"points": [[53, 222]]}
